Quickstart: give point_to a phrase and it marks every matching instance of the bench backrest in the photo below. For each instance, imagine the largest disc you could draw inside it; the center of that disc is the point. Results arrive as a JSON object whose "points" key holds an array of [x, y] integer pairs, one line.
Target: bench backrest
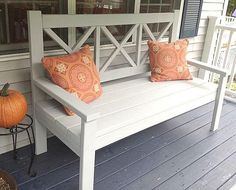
{"points": [[124, 59]]}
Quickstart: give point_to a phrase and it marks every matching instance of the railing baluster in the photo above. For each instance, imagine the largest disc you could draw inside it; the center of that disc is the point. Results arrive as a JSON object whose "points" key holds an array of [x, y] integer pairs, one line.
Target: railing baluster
{"points": [[217, 53], [231, 79], [218, 47], [228, 49], [138, 45]]}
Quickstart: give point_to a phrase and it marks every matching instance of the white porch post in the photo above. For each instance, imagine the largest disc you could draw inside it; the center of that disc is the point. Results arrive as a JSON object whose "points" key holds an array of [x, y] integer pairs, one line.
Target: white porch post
{"points": [[209, 46]]}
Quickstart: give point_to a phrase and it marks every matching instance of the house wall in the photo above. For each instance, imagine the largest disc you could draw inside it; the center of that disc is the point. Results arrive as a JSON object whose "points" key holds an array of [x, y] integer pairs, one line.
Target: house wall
{"points": [[210, 8], [15, 70]]}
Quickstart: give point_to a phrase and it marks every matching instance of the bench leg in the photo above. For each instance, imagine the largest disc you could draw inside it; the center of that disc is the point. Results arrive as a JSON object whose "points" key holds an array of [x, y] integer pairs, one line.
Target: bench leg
{"points": [[40, 132], [219, 103], [87, 157], [40, 137]]}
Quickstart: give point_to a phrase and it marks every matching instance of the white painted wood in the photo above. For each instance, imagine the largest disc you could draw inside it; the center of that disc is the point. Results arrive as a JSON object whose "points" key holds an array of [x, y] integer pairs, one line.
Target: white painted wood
{"points": [[78, 107], [232, 74], [226, 2], [14, 76], [97, 47], [133, 128], [14, 65], [52, 115], [209, 46], [119, 46], [219, 102], [124, 72], [175, 27], [71, 31], [139, 43], [23, 87], [58, 21], [87, 158], [36, 54], [83, 38], [163, 32], [57, 39], [229, 44], [140, 98], [149, 32], [204, 66], [218, 46], [118, 118]]}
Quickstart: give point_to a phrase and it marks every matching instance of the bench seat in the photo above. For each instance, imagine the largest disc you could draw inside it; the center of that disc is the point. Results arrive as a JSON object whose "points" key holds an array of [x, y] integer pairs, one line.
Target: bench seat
{"points": [[125, 105]]}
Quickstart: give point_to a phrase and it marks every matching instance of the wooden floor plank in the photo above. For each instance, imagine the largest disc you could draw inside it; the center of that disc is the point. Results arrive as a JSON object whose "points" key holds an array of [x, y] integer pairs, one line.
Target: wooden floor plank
{"points": [[217, 176], [122, 161], [195, 170], [23, 157], [47, 163], [141, 168], [229, 184]]}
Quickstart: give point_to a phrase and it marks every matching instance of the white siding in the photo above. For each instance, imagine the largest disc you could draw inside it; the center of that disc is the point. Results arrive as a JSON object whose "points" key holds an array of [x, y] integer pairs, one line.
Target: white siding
{"points": [[16, 71], [210, 8]]}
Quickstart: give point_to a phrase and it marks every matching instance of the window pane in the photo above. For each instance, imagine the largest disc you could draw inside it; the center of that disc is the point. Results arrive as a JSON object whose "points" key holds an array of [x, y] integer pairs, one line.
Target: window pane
{"points": [[3, 37], [14, 21], [158, 6], [17, 15], [105, 7]]}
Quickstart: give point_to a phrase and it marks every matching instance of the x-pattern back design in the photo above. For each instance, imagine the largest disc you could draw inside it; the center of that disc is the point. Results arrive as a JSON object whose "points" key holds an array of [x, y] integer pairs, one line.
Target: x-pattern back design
{"points": [[99, 26]]}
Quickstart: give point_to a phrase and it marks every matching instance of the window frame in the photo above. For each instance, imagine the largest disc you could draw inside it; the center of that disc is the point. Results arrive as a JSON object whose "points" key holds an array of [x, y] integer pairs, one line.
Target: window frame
{"points": [[72, 31]]}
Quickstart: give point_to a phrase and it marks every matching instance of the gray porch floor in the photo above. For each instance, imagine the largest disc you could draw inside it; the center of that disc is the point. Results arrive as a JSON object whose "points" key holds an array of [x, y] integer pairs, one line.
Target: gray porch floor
{"points": [[178, 154]]}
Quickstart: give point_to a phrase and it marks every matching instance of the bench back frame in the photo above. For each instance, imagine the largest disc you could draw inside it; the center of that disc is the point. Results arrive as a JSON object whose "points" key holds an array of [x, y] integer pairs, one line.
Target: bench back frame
{"points": [[135, 64]]}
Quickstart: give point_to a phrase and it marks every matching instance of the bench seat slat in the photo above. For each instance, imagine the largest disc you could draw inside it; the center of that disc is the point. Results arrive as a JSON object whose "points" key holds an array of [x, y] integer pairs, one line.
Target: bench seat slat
{"points": [[149, 121], [138, 95], [128, 90], [52, 115], [174, 98], [112, 122]]}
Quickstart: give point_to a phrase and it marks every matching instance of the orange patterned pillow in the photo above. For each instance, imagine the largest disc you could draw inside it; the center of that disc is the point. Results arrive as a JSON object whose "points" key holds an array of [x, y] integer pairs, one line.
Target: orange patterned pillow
{"points": [[75, 73], [168, 60]]}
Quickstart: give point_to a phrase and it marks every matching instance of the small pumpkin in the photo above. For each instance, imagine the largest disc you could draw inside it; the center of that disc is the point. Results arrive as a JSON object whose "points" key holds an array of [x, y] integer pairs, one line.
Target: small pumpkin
{"points": [[13, 107]]}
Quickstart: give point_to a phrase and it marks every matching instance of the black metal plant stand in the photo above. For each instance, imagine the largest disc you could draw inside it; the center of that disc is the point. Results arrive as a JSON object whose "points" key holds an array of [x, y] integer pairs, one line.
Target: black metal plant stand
{"points": [[19, 128]]}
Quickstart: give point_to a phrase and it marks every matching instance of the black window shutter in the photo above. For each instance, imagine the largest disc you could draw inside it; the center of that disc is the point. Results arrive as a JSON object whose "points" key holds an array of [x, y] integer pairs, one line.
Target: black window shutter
{"points": [[191, 18]]}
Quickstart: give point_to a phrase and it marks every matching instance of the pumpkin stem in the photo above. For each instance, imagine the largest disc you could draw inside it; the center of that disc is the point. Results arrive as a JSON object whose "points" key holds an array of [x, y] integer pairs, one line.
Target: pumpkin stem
{"points": [[3, 92]]}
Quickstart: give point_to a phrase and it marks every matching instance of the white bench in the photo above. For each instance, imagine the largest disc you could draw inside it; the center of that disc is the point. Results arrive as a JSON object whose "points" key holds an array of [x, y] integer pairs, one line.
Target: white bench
{"points": [[128, 105]]}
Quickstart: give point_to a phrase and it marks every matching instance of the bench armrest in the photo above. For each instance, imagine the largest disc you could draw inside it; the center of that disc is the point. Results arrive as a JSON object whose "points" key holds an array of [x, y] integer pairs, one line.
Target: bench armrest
{"points": [[204, 66], [65, 98]]}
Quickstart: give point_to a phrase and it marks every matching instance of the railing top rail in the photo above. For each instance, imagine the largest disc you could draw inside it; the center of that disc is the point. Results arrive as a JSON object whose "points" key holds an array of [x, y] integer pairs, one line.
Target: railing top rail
{"points": [[226, 27]]}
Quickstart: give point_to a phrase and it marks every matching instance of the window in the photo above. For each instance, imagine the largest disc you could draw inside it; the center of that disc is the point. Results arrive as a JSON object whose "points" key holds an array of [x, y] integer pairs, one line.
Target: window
{"points": [[153, 6], [2, 24], [13, 18], [13, 22], [105, 7]]}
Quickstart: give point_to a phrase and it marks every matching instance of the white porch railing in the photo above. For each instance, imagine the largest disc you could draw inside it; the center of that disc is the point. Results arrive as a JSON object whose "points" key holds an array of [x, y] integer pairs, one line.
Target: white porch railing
{"points": [[220, 50], [228, 20]]}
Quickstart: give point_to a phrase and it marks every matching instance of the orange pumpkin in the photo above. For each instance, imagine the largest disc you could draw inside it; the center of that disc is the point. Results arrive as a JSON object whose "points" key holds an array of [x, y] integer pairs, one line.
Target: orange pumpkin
{"points": [[13, 107]]}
